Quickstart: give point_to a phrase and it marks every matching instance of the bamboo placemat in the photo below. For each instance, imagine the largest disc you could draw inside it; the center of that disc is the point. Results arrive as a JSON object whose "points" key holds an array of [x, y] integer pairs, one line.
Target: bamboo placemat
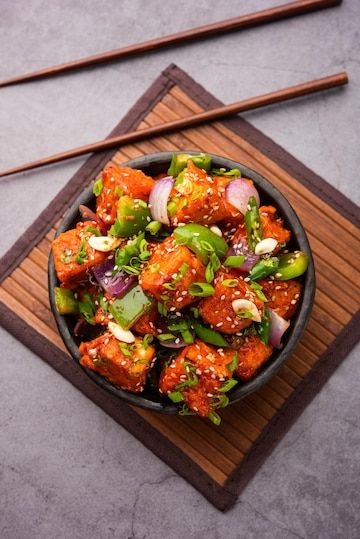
{"points": [[218, 461]]}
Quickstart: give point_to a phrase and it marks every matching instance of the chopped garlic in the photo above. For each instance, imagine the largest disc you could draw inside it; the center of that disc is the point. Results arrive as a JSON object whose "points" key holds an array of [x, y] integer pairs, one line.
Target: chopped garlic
{"points": [[104, 243], [121, 334], [248, 307], [265, 246]]}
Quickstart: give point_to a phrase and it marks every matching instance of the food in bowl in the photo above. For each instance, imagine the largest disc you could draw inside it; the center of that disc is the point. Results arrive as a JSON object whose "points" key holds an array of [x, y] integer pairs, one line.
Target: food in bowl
{"points": [[180, 282]]}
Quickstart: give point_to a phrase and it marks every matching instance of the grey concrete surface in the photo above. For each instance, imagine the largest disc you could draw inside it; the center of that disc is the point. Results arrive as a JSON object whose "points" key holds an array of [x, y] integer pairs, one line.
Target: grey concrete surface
{"points": [[66, 469]]}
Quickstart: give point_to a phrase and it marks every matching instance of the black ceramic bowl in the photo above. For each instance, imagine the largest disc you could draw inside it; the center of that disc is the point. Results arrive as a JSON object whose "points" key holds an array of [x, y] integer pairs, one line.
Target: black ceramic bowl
{"points": [[154, 164]]}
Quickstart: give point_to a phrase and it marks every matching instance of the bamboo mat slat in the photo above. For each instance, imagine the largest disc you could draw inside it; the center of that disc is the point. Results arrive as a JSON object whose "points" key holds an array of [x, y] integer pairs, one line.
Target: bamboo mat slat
{"points": [[215, 455]]}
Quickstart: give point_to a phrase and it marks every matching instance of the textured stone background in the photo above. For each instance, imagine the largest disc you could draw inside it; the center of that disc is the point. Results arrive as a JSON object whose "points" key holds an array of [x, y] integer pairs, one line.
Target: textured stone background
{"points": [[66, 469]]}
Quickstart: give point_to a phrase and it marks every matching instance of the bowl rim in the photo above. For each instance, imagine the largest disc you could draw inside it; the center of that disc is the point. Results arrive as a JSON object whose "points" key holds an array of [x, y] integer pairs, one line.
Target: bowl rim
{"points": [[296, 329]]}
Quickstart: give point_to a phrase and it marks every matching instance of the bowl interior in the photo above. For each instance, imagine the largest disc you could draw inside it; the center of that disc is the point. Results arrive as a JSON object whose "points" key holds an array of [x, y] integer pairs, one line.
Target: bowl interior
{"points": [[154, 164]]}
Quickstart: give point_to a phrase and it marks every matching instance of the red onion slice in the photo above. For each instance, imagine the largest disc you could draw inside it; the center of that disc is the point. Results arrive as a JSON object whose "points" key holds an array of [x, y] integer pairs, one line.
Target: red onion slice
{"points": [[238, 193], [177, 341], [241, 247], [278, 326], [87, 214], [158, 200], [115, 285]]}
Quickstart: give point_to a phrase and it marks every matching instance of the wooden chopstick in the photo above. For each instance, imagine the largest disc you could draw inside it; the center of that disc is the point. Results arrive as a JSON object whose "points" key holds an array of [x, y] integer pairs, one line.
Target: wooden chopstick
{"points": [[276, 13], [309, 87]]}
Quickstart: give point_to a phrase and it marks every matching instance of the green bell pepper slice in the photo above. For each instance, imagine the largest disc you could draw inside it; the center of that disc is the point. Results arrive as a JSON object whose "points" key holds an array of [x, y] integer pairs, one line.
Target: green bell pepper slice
{"points": [[179, 162], [253, 223], [133, 216], [291, 265], [128, 309], [209, 335], [201, 240], [263, 268], [65, 301]]}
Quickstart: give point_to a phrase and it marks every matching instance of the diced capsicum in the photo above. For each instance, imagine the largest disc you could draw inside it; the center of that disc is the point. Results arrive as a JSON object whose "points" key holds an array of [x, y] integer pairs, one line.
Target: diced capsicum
{"points": [[253, 223], [65, 301], [291, 265], [179, 162], [263, 268], [133, 216], [208, 335], [201, 240], [128, 309]]}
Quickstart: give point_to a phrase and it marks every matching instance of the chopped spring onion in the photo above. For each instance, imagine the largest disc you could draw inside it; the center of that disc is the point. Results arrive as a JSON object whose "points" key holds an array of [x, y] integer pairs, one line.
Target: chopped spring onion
{"points": [[153, 227], [81, 255], [229, 384], [234, 261], [234, 362], [202, 290], [230, 283], [214, 418], [176, 396], [98, 187], [258, 291], [166, 337]]}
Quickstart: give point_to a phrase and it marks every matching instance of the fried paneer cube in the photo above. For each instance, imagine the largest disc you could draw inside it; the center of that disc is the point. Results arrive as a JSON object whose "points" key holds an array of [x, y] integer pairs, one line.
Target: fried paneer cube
{"points": [[171, 270], [124, 365], [197, 197], [147, 322], [283, 296], [217, 310], [73, 257], [198, 373], [273, 226], [119, 181], [253, 353]]}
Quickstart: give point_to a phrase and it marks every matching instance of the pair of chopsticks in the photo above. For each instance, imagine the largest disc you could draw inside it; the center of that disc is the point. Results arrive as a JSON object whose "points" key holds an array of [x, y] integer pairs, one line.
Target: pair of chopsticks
{"points": [[245, 21]]}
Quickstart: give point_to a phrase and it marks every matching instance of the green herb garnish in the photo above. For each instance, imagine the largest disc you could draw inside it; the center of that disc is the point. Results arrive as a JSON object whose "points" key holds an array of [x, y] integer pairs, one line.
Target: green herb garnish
{"points": [[176, 396], [166, 337], [234, 172], [234, 362], [153, 227], [87, 309], [229, 384], [202, 290], [81, 255], [98, 187], [93, 230], [214, 418], [258, 291], [230, 283], [234, 261]]}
